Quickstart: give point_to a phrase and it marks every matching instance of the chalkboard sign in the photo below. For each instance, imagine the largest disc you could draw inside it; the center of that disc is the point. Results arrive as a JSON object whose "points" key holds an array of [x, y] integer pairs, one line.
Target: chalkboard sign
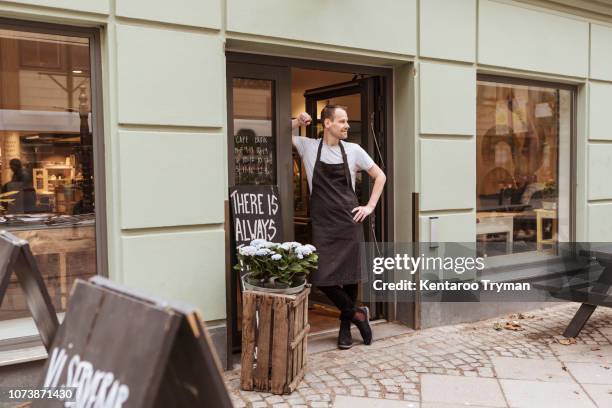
{"points": [[16, 257], [254, 152], [122, 349], [256, 214]]}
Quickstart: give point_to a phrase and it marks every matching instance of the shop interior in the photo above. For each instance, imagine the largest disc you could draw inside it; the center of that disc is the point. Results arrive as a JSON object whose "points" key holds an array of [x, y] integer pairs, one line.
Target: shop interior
{"points": [[322, 315], [46, 158], [523, 167]]}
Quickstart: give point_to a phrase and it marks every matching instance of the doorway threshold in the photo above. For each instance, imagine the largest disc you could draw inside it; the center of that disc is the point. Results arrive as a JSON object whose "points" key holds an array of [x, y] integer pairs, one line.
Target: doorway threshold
{"points": [[326, 340]]}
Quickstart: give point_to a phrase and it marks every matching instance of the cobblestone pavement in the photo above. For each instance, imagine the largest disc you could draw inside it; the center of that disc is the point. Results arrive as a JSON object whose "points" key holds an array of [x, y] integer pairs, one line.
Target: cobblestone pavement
{"points": [[467, 364]]}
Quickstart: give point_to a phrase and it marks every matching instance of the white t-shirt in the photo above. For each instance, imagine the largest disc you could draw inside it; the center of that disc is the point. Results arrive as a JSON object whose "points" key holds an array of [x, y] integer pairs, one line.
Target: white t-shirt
{"points": [[356, 157]]}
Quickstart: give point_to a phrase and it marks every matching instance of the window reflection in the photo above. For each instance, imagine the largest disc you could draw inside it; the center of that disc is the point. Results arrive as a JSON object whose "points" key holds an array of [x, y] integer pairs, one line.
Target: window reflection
{"points": [[523, 159], [46, 158]]}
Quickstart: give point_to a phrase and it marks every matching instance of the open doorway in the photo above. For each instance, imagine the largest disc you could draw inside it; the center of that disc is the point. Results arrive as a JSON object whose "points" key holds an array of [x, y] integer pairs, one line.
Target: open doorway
{"points": [[270, 92], [311, 90]]}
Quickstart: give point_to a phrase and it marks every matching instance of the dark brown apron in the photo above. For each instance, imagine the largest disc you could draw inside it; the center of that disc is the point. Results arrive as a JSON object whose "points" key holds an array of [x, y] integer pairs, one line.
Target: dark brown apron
{"points": [[334, 233]]}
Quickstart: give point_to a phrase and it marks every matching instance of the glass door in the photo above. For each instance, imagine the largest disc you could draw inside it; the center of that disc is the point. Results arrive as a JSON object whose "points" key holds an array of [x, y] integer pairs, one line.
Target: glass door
{"points": [[259, 129], [259, 148]]}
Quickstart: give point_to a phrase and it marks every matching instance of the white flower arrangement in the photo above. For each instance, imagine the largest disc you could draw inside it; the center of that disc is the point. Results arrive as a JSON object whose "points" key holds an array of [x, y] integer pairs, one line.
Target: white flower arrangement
{"points": [[277, 265]]}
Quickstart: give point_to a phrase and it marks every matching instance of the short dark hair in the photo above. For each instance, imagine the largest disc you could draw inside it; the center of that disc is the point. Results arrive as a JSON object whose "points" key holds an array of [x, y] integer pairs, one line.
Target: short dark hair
{"points": [[329, 111]]}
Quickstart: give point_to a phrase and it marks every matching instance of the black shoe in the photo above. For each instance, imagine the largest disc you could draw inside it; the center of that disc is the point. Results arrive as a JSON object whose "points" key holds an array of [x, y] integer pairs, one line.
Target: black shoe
{"points": [[362, 321], [345, 340]]}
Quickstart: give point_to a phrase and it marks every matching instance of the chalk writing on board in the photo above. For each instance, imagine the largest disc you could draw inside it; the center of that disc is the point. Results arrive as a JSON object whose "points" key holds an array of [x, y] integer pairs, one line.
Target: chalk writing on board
{"points": [[256, 213], [94, 388]]}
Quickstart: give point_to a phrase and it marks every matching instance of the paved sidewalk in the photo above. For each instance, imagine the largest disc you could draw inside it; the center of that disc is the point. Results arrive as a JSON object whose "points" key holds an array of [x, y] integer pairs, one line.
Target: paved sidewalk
{"points": [[462, 365]]}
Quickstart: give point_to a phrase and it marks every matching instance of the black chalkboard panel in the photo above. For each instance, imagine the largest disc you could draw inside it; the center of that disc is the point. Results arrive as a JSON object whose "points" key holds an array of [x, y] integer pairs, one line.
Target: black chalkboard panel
{"points": [[120, 348], [256, 214], [16, 257]]}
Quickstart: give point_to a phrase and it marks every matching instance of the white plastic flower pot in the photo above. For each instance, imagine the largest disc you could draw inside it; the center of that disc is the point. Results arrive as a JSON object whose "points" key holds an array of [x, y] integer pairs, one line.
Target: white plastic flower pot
{"points": [[285, 291]]}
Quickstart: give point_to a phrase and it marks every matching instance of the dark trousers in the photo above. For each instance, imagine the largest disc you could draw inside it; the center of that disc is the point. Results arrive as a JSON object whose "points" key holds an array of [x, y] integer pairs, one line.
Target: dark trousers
{"points": [[343, 297]]}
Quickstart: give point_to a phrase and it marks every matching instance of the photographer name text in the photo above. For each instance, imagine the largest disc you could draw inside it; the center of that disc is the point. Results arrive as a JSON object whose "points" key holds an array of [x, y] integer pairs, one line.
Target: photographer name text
{"points": [[427, 285]]}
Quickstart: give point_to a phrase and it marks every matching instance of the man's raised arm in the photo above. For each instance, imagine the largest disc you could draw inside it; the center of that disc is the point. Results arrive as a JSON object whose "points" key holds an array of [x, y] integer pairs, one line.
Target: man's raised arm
{"points": [[303, 119]]}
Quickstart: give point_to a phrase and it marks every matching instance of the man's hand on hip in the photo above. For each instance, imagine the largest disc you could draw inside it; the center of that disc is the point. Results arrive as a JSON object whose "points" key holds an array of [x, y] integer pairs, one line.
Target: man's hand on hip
{"points": [[361, 213]]}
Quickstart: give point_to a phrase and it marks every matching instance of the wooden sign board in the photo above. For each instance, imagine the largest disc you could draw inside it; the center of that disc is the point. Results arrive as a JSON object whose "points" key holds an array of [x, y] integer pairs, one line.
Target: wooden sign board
{"points": [[16, 257], [119, 348], [256, 214]]}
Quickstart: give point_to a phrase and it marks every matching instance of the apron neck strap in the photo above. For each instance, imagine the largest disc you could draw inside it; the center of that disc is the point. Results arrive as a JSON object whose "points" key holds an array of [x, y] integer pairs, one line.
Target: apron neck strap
{"points": [[319, 151], [347, 173]]}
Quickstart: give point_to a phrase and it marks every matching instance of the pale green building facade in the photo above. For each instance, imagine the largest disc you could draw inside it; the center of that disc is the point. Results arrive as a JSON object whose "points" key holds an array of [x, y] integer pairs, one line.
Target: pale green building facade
{"points": [[165, 113]]}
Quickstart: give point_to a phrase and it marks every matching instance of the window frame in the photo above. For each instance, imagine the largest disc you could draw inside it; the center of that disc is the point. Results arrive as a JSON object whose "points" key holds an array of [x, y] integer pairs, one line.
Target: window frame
{"points": [[97, 118], [498, 264]]}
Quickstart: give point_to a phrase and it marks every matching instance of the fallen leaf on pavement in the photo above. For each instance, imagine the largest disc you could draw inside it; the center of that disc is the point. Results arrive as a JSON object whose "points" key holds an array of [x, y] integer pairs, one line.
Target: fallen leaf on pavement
{"points": [[564, 368], [497, 326], [567, 341], [514, 326], [595, 349]]}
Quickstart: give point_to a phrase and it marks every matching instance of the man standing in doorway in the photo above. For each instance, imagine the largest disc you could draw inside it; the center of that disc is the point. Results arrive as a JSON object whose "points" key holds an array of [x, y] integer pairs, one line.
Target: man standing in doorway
{"points": [[331, 165]]}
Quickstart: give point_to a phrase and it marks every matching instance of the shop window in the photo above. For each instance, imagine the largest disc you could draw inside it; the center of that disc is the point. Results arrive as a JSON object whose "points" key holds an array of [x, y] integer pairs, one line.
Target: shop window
{"points": [[254, 141], [47, 158], [523, 165]]}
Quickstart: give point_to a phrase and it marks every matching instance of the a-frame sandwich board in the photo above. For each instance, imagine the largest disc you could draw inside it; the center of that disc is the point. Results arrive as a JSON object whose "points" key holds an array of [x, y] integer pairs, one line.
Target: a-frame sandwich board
{"points": [[121, 348], [16, 257]]}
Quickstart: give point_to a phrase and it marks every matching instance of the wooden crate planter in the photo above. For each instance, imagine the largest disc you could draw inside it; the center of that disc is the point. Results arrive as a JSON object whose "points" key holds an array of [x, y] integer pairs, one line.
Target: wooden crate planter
{"points": [[274, 337]]}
